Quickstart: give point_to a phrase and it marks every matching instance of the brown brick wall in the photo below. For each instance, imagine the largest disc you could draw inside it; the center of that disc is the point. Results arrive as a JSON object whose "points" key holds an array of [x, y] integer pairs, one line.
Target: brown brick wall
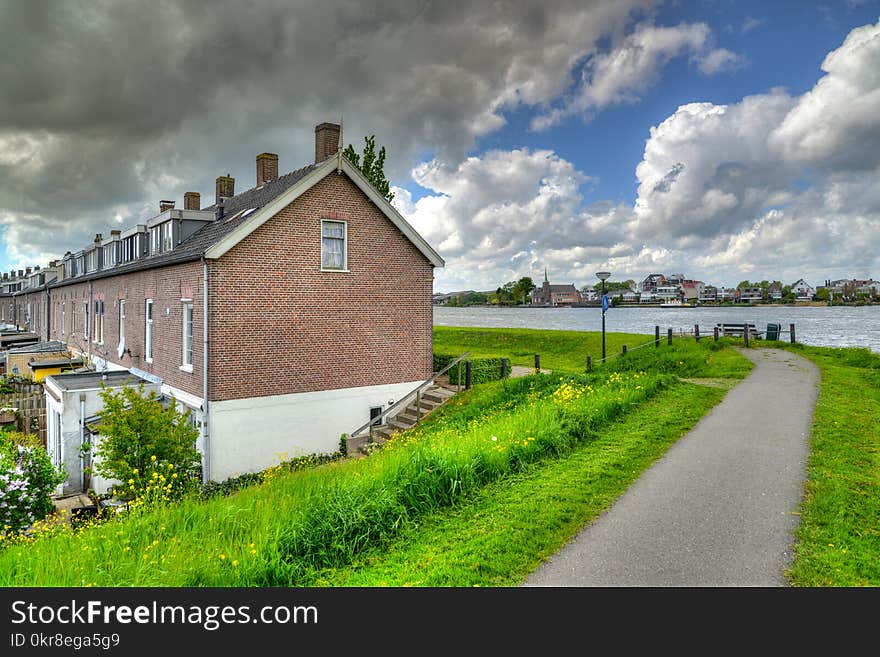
{"points": [[280, 325], [166, 286]]}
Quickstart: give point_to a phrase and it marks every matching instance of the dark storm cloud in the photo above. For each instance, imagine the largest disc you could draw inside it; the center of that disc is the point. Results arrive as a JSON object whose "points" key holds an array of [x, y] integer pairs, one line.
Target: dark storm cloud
{"points": [[109, 106]]}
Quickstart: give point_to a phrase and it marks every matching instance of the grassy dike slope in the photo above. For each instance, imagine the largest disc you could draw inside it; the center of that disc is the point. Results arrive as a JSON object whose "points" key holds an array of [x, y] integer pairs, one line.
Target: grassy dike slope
{"points": [[839, 535], [323, 526]]}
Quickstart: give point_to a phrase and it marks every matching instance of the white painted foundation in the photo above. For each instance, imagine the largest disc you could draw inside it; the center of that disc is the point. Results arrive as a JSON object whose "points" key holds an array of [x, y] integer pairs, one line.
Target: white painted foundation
{"points": [[249, 435]]}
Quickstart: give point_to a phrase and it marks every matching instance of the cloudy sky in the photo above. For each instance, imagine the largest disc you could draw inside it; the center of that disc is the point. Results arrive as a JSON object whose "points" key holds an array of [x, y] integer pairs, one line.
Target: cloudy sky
{"points": [[721, 139]]}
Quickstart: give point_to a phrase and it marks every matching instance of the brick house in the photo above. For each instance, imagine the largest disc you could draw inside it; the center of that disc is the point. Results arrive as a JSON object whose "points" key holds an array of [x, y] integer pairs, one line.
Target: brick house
{"points": [[554, 295], [280, 316]]}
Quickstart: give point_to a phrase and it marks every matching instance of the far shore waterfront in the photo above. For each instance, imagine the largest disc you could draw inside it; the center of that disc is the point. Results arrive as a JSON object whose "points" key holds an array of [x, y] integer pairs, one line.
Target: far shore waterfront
{"points": [[815, 323]]}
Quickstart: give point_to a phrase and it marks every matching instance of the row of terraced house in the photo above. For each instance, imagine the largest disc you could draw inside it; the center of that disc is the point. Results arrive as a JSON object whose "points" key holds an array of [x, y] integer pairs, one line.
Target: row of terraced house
{"points": [[281, 317]]}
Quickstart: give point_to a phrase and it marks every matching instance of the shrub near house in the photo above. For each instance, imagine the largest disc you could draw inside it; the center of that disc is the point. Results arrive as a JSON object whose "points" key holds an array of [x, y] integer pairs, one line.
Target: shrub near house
{"points": [[27, 481]]}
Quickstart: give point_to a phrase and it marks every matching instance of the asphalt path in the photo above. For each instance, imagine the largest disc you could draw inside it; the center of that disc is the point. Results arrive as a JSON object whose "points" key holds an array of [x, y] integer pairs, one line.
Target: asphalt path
{"points": [[720, 507]]}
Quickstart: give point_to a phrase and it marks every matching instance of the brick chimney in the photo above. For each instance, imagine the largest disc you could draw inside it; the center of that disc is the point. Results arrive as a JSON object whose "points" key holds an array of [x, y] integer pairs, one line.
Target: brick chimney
{"points": [[267, 168], [165, 205], [225, 187], [98, 238], [115, 232], [326, 141], [192, 201], [27, 271]]}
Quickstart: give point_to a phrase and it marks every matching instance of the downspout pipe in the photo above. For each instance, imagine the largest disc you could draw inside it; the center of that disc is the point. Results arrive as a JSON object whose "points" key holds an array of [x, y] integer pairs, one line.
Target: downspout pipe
{"points": [[89, 324], [206, 426], [82, 442]]}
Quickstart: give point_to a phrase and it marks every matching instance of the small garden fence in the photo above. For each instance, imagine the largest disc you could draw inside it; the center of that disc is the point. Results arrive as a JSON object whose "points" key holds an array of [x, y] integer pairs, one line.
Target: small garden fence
{"points": [[23, 407], [481, 370]]}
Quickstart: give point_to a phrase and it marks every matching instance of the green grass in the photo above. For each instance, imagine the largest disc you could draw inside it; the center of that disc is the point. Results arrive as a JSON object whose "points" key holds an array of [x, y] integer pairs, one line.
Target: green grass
{"points": [[294, 527], [838, 540], [446, 505], [504, 531], [563, 351]]}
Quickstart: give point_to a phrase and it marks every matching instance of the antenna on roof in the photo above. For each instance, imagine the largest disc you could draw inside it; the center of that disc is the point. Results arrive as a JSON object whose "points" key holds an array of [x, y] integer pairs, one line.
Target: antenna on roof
{"points": [[339, 148]]}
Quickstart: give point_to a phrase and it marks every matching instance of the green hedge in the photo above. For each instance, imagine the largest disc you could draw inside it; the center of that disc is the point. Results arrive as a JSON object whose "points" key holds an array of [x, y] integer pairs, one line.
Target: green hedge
{"points": [[482, 369]]}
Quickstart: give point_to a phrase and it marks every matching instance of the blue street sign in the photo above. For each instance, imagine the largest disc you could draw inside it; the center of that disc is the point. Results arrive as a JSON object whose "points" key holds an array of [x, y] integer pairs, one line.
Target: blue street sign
{"points": [[604, 302]]}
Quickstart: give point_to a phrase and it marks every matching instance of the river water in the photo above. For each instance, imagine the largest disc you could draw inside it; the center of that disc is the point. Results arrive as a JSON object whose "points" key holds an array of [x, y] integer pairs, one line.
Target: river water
{"points": [[836, 326]]}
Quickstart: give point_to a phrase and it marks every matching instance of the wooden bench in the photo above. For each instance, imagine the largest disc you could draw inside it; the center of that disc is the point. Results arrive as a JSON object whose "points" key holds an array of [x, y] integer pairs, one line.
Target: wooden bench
{"points": [[737, 330]]}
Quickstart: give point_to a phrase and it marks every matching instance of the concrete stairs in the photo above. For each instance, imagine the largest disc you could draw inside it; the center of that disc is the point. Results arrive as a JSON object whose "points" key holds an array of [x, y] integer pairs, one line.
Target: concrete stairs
{"points": [[430, 399]]}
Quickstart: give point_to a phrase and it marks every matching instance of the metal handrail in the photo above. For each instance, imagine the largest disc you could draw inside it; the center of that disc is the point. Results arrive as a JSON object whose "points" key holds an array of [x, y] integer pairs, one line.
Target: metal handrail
{"points": [[409, 395]]}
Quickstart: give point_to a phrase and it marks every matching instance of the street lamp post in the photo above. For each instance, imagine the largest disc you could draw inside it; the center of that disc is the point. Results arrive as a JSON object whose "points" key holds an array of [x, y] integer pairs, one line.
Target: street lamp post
{"points": [[602, 276]]}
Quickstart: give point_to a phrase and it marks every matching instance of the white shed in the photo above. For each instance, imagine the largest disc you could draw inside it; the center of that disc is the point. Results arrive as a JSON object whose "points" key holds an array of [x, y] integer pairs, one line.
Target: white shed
{"points": [[70, 400]]}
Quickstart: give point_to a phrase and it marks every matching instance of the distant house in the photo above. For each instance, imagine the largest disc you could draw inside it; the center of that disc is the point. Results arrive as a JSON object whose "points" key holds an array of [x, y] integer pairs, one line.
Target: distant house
{"points": [[750, 295], [651, 282], [692, 290], [774, 292], [725, 294], [803, 291], [555, 295], [667, 292]]}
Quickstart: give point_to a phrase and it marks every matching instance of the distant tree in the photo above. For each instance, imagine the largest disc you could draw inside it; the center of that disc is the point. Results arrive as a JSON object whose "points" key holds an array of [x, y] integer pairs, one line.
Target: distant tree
{"points": [[522, 288], [371, 165]]}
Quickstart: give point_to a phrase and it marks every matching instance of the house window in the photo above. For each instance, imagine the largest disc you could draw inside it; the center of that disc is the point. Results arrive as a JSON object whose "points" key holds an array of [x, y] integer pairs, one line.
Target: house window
{"points": [[167, 241], [148, 333], [110, 255], [155, 240], [62, 319], [99, 322], [121, 326], [187, 335], [86, 320], [376, 415], [333, 245]]}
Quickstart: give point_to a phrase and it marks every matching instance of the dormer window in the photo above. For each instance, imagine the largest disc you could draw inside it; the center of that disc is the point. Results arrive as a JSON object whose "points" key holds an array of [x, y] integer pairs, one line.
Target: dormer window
{"points": [[110, 255], [161, 238], [167, 240], [155, 240]]}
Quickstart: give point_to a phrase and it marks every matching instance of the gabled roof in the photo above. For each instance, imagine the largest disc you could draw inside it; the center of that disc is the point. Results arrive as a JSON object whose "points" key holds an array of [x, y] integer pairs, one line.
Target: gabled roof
{"points": [[316, 173], [245, 212]]}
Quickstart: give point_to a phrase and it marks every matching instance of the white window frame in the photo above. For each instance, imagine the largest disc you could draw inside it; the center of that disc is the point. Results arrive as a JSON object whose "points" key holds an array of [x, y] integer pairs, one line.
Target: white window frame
{"points": [[63, 327], [121, 331], [86, 320], [155, 240], [148, 331], [187, 340], [98, 338], [167, 236], [344, 224]]}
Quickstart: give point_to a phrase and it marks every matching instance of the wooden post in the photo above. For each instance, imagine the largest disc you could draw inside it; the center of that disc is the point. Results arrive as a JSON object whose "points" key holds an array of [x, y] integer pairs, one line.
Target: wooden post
{"points": [[467, 375], [503, 368], [458, 368], [715, 333], [697, 332], [589, 364], [624, 351], [537, 363], [669, 335], [656, 336], [746, 334], [418, 405], [791, 331]]}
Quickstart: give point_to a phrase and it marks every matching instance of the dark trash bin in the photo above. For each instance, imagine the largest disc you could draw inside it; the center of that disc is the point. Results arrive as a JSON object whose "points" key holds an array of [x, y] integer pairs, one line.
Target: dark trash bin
{"points": [[773, 331]]}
